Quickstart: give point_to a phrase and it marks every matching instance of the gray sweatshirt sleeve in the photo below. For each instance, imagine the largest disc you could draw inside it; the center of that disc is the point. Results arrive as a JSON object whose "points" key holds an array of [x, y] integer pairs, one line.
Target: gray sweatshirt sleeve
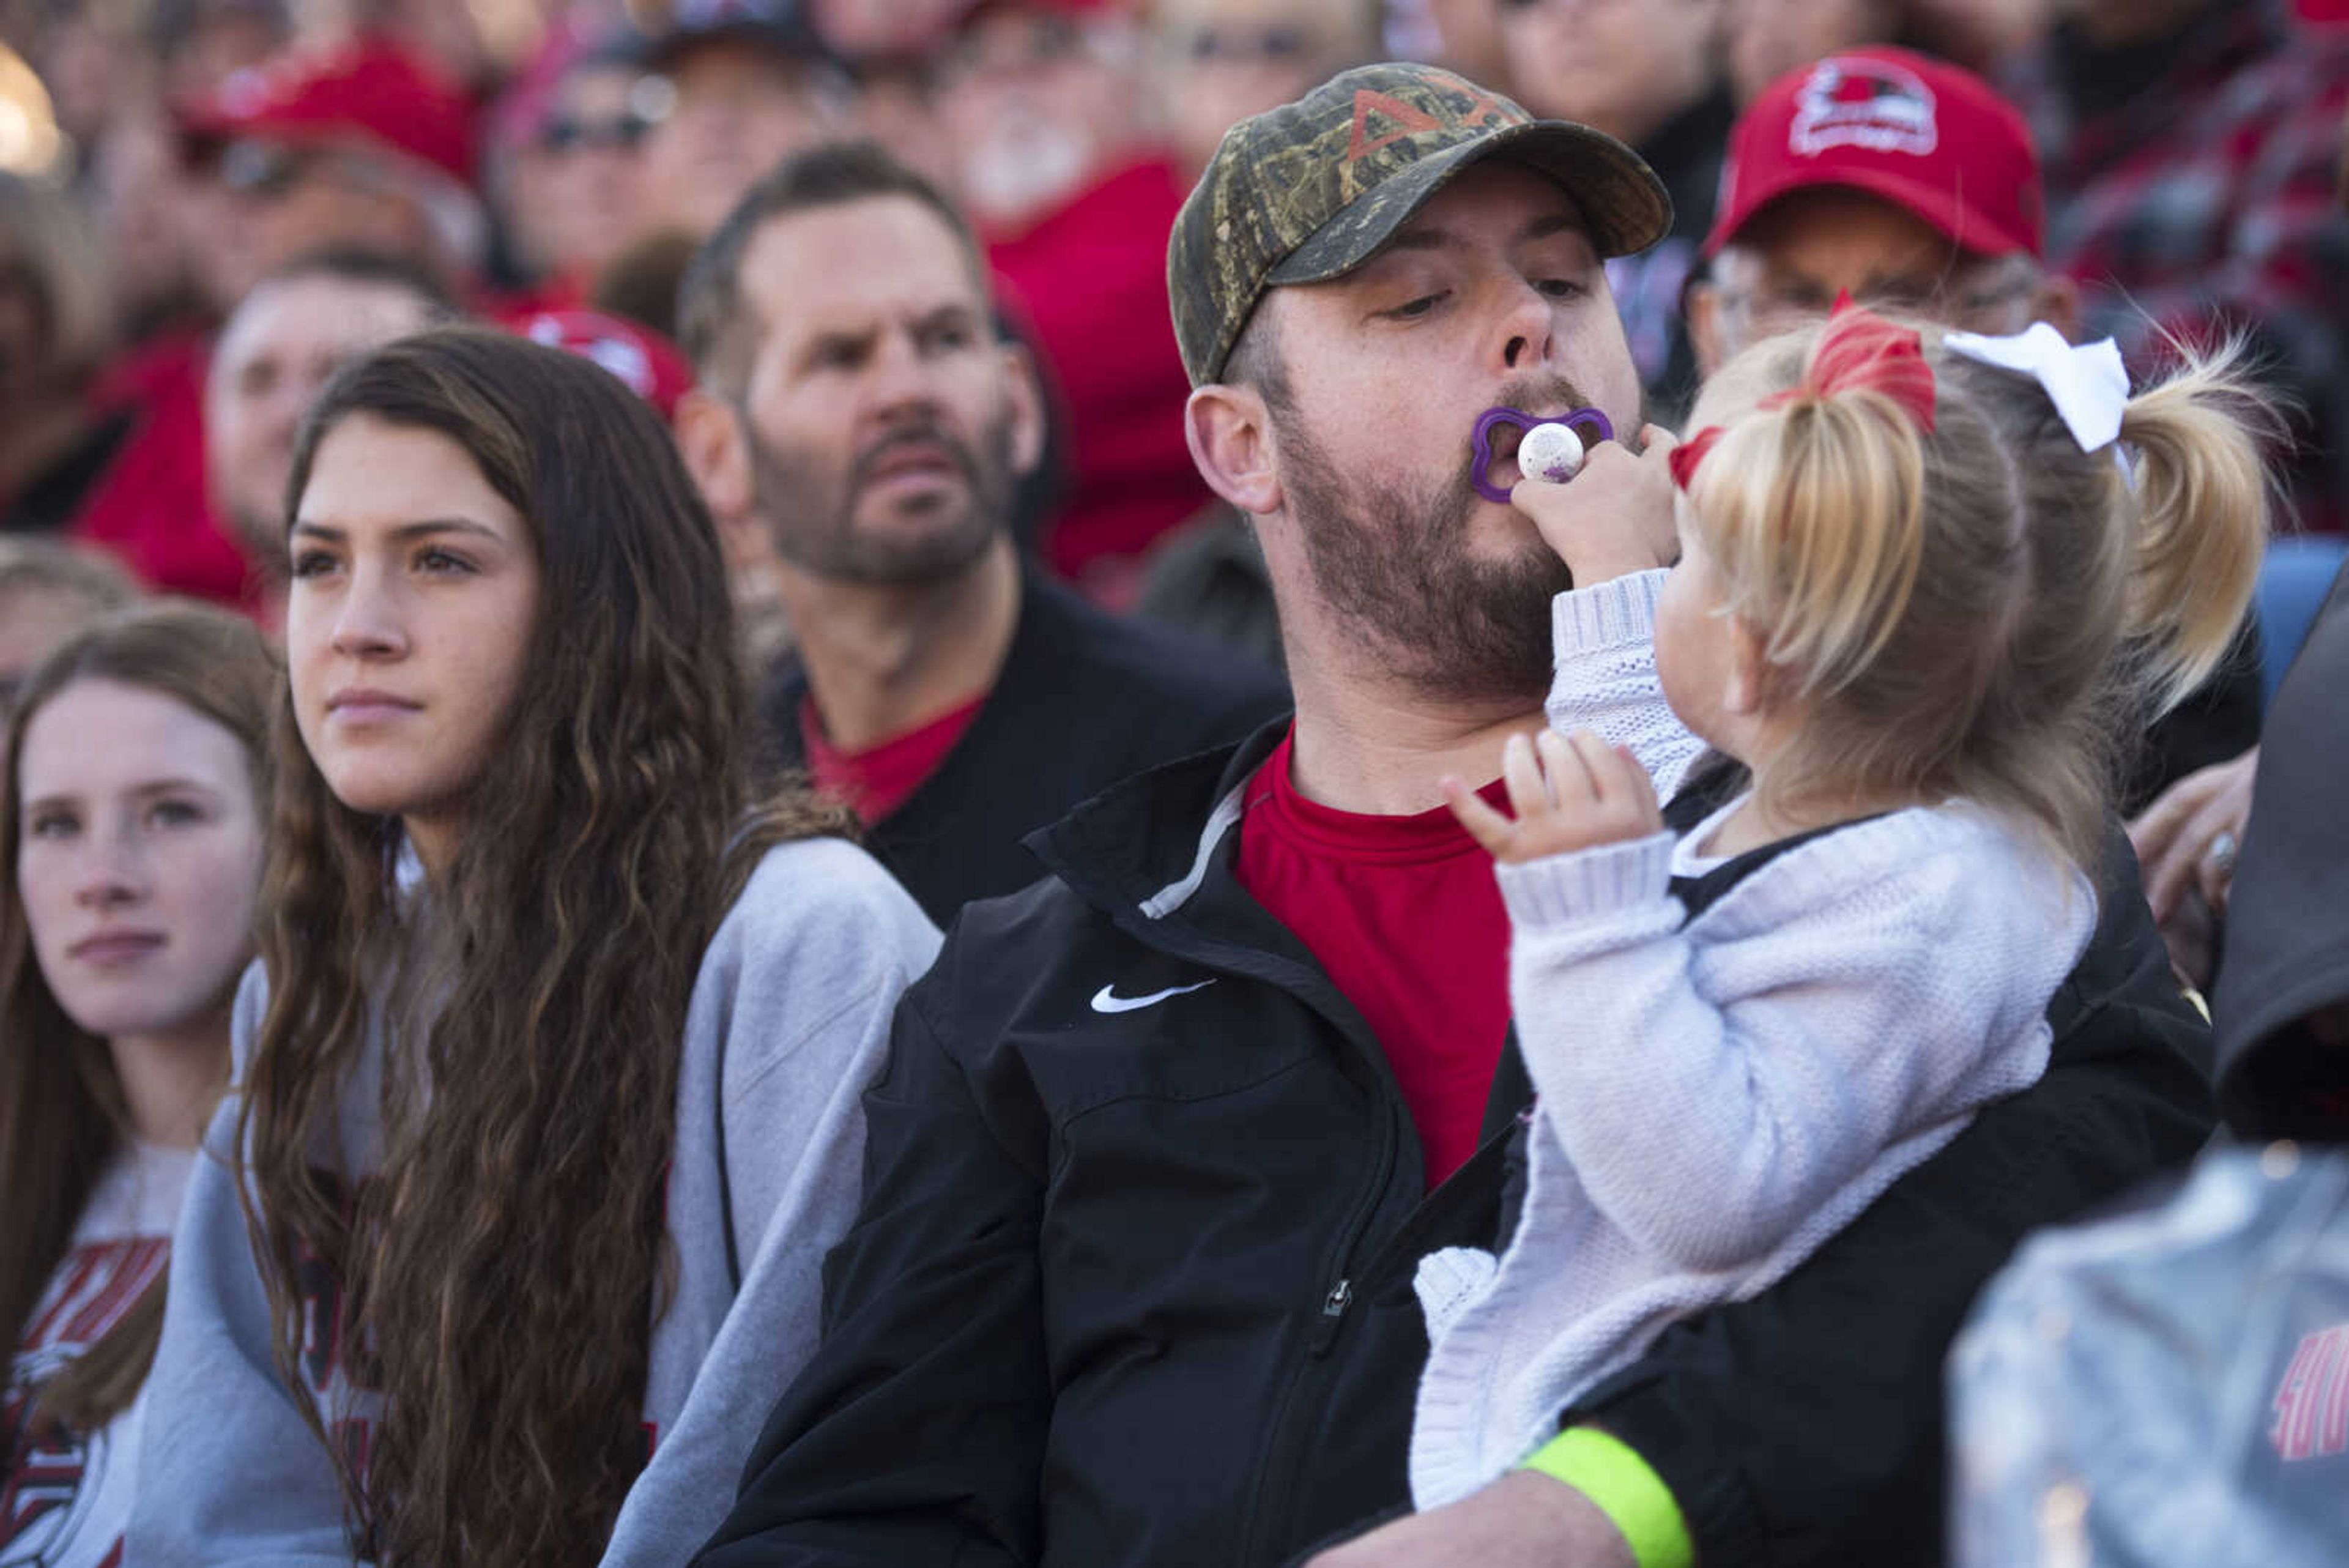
{"points": [[229, 1471], [789, 1020]]}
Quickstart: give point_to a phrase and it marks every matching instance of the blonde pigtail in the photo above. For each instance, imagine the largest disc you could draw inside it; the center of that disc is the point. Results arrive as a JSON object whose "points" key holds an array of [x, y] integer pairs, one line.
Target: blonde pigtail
{"points": [[1822, 504], [2200, 514], [1984, 611]]}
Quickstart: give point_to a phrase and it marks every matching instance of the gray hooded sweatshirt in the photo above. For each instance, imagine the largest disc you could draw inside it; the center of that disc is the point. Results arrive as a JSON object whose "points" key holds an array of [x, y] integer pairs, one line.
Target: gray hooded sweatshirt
{"points": [[792, 1006]]}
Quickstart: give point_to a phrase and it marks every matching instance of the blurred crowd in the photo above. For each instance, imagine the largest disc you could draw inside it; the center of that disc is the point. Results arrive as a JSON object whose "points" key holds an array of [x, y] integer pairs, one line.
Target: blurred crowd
{"points": [[213, 212], [522, 161], [512, 161]]}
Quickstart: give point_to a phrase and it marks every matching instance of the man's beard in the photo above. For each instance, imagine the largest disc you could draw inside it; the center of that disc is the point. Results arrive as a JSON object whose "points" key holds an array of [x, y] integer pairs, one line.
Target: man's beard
{"points": [[1394, 564], [812, 508]]}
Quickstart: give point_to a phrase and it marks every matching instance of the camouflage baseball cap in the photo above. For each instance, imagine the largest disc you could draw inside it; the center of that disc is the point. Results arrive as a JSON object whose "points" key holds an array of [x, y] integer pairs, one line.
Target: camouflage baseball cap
{"points": [[1311, 189]]}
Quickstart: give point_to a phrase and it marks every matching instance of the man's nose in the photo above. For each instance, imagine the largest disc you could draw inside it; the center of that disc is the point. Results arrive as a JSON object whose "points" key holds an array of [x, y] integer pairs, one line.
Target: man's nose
{"points": [[281, 417], [900, 380], [1527, 329], [296, 393]]}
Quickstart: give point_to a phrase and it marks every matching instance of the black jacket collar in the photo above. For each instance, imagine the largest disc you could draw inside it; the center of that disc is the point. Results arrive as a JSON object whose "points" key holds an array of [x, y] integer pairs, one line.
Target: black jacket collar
{"points": [[1083, 701], [1144, 848], [1049, 630]]}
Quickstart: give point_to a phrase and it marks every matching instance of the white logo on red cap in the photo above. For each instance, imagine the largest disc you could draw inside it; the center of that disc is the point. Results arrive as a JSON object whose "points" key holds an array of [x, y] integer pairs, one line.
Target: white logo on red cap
{"points": [[244, 91], [1865, 103], [623, 358]]}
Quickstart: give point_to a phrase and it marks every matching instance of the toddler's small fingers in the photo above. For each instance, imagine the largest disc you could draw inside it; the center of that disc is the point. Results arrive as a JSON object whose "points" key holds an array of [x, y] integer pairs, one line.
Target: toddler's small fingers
{"points": [[1529, 794], [1486, 825], [1595, 761], [1611, 766], [1570, 783]]}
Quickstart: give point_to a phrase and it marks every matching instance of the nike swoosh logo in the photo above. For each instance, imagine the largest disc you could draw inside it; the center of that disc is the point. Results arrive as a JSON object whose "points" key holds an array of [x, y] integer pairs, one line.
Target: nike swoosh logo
{"points": [[1105, 1001]]}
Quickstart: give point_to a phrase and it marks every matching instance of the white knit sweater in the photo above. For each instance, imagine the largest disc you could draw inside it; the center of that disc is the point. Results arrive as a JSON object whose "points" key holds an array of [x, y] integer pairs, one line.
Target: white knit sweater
{"points": [[1718, 1098]]}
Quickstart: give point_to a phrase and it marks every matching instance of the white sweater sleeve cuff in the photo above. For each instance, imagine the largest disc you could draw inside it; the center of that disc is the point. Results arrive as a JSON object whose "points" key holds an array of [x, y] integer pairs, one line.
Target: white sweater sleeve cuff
{"points": [[1606, 615], [1602, 880]]}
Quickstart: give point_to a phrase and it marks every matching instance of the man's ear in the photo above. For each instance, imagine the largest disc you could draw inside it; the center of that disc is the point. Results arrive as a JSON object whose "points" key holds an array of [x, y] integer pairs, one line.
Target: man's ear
{"points": [[1703, 305], [1025, 389], [1230, 435], [717, 451], [2057, 301]]}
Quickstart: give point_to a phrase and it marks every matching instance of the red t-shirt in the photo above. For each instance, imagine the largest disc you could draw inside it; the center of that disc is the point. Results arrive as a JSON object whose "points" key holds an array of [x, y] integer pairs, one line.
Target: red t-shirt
{"points": [[151, 509], [879, 779], [1089, 279], [1403, 913]]}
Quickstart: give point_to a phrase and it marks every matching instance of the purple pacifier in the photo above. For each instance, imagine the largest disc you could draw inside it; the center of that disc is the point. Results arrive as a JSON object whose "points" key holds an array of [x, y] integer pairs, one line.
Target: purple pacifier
{"points": [[1596, 429]]}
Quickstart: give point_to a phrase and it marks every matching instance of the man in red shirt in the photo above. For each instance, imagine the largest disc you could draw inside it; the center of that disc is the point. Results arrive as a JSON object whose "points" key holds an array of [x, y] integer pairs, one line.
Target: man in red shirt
{"points": [[1044, 100], [1163, 1137], [859, 417]]}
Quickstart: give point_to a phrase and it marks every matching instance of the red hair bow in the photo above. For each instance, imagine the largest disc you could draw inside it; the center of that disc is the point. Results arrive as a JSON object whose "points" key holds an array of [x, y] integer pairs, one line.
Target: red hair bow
{"points": [[1862, 351], [1859, 349], [1690, 452]]}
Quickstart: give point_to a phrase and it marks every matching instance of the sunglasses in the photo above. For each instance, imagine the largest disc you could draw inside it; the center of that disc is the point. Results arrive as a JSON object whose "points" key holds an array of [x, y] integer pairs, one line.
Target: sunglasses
{"points": [[1045, 39], [263, 168], [619, 133], [267, 171]]}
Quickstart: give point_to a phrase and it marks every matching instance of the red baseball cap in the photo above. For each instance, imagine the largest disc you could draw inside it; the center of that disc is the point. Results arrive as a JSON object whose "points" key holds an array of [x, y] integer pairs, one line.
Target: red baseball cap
{"points": [[647, 363], [369, 92], [1923, 134]]}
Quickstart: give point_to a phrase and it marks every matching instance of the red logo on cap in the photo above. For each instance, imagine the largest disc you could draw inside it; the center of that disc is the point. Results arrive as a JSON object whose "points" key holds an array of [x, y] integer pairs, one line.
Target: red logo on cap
{"points": [[1404, 121], [1857, 103]]}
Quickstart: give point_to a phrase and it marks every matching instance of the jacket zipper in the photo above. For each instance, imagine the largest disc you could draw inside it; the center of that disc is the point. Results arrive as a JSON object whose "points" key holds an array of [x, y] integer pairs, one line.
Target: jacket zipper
{"points": [[1330, 1308], [1333, 1317], [1329, 1318], [1332, 1305]]}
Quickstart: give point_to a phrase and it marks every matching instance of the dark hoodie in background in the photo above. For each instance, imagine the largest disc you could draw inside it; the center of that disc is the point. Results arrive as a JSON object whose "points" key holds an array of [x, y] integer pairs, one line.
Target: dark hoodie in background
{"points": [[2287, 953]]}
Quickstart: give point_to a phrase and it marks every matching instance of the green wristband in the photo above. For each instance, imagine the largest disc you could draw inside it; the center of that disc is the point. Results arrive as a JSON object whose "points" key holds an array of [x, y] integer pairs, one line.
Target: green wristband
{"points": [[1614, 1476]]}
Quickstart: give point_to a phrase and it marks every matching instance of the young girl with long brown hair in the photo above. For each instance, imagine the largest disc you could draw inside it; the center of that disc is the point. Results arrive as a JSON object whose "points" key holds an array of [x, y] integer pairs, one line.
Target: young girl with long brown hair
{"points": [[546, 1102], [1924, 582], [131, 821]]}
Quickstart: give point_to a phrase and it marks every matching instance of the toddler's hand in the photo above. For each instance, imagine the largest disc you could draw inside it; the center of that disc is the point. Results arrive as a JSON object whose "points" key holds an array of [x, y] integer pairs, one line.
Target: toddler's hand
{"points": [[1568, 793], [1614, 517]]}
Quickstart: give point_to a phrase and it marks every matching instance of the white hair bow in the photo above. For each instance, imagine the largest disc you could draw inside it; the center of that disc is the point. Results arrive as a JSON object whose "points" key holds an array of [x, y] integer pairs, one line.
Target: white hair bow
{"points": [[2088, 383]]}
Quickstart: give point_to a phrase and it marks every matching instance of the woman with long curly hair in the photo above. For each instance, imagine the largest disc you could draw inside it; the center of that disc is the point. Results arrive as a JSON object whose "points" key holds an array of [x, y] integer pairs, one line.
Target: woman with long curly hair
{"points": [[131, 821], [547, 1085]]}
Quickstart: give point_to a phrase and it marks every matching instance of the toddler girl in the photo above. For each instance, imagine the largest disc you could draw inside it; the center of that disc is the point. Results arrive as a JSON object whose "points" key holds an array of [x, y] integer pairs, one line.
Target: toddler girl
{"points": [[1916, 595]]}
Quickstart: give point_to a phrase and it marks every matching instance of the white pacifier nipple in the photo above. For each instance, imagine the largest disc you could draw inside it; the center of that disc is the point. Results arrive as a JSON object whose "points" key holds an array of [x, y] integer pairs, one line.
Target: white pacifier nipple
{"points": [[1552, 453]]}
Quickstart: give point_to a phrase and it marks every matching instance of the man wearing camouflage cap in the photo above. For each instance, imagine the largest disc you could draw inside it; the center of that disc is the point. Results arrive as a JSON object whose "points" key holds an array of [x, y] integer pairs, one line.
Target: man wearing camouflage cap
{"points": [[1162, 1138]]}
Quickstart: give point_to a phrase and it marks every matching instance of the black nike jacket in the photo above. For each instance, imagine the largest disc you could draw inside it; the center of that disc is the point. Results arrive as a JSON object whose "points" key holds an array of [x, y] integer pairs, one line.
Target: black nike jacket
{"points": [[1132, 1281]]}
